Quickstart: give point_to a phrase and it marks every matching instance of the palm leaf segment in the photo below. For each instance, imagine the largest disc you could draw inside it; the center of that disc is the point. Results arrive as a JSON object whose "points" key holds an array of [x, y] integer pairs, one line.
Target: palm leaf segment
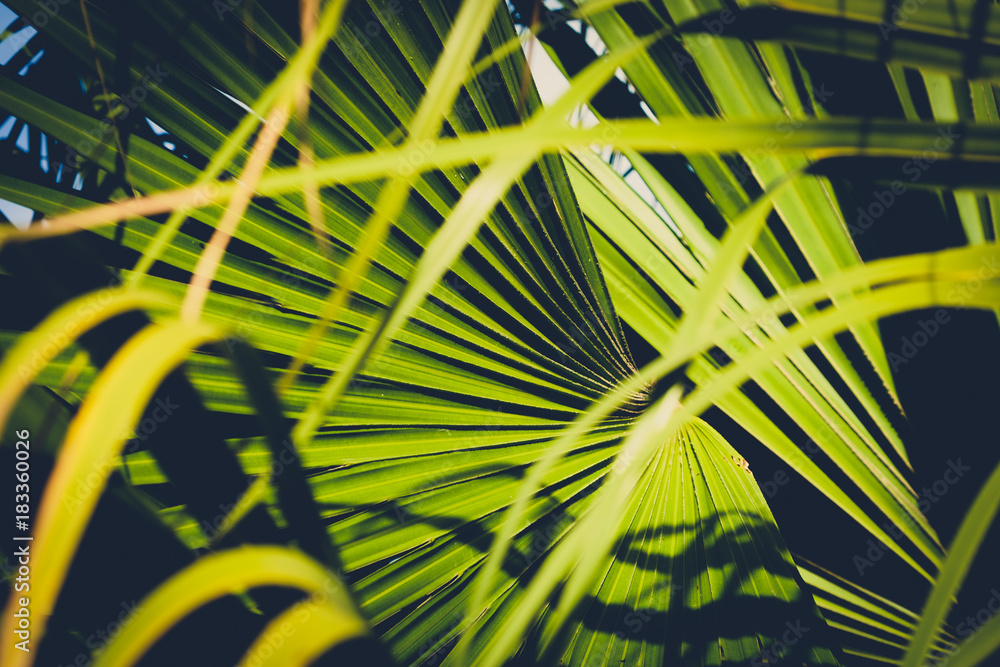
{"points": [[415, 468]]}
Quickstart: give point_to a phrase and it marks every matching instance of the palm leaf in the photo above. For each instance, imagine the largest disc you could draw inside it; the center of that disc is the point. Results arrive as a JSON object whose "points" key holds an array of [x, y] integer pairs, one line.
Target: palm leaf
{"points": [[444, 306]]}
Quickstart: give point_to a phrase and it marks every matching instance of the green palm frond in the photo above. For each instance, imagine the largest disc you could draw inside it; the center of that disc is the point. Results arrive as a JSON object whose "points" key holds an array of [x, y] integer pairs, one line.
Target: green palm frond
{"points": [[461, 361]]}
